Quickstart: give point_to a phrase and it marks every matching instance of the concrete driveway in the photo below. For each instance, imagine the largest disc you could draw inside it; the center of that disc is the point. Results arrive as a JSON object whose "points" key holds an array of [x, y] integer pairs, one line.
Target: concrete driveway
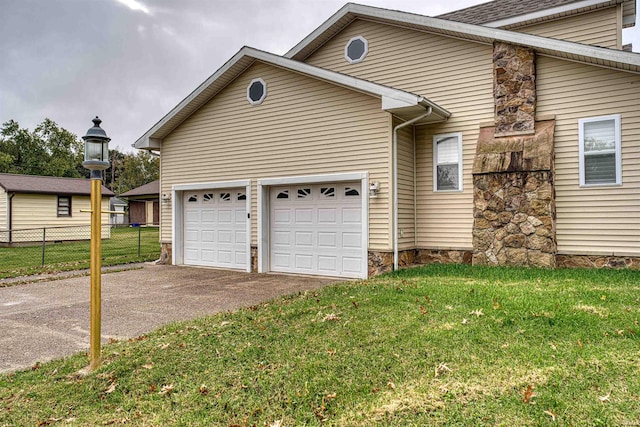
{"points": [[46, 320]]}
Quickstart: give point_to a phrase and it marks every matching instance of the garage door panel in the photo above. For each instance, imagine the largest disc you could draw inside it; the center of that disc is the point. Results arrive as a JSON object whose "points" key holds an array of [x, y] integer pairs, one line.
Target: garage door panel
{"points": [[303, 262], [327, 216], [304, 239], [215, 229], [304, 216], [351, 265], [208, 236], [318, 230], [327, 239], [281, 216], [351, 240], [352, 216]]}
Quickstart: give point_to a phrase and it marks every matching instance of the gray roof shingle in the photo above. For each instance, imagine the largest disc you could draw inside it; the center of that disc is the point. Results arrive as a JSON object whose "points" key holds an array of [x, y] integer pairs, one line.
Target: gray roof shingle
{"points": [[500, 9], [152, 188], [14, 183]]}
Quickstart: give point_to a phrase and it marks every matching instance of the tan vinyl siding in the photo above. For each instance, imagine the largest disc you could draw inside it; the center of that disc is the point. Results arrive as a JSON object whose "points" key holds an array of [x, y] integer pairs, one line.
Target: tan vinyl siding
{"points": [[602, 220], [36, 211], [406, 194], [455, 74], [304, 127], [599, 28], [3, 209]]}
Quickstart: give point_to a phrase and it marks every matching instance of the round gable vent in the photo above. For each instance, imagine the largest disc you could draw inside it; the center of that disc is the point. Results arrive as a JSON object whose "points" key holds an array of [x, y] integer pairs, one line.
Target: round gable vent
{"points": [[256, 91], [356, 50]]}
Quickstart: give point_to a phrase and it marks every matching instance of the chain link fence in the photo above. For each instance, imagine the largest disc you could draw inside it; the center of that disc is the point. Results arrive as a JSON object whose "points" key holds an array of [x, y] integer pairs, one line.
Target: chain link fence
{"points": [[67, 248]]}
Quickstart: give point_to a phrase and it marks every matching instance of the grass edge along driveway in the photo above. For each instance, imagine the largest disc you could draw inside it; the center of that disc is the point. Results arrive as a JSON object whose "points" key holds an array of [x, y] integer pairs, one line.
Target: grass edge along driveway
{"points": [[437, 345]]}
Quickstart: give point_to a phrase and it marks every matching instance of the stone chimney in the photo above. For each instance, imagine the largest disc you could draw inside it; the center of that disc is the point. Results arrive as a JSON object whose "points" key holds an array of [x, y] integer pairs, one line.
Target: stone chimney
{"points": [[514, 194]]}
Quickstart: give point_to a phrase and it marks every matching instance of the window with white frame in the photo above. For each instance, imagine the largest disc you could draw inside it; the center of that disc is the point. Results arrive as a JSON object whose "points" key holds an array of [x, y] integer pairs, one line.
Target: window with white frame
{"points": [[600, 151], [447, 162]]}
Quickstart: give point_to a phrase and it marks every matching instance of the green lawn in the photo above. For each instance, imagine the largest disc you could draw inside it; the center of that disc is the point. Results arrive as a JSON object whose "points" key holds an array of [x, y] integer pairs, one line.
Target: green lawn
{"points": [[439, 345], [120, 248]]}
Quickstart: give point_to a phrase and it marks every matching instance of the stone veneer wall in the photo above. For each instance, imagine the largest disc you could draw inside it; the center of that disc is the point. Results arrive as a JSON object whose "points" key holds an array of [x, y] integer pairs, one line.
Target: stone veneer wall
{"points": [[514, 89], [513, 189], [597, 261], [514, 219]]}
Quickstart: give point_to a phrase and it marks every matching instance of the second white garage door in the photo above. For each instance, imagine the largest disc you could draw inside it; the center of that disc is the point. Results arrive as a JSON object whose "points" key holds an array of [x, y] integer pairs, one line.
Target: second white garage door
{"points": [[215, 228], [317, 229]]}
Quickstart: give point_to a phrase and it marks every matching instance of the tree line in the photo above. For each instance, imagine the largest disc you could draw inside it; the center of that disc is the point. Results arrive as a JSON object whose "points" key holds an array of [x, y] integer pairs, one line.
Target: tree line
{"points": [[51, 150]]}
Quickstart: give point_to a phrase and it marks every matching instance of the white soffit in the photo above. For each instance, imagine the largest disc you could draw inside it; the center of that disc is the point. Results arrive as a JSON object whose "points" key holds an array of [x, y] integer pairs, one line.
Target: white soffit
{"points": [[551, 13], [392, 99]]}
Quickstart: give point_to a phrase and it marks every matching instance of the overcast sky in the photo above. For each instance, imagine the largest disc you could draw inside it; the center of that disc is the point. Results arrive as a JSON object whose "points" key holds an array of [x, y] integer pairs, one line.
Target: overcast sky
{"points": [[131, 61]]}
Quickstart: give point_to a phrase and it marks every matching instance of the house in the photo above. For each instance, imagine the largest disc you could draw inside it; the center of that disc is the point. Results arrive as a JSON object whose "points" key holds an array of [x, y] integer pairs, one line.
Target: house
{"points": [[503, 134], [37, 207], [144, 205]]}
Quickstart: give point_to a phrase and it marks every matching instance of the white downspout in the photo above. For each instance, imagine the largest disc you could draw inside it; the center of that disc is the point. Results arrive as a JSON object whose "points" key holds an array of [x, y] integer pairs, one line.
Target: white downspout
{"points": [[394, 177]]}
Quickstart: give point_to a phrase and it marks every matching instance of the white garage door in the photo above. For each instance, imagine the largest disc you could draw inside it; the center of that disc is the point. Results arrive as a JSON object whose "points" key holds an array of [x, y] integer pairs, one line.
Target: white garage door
{"points": [[215, 228], [317, 229]]}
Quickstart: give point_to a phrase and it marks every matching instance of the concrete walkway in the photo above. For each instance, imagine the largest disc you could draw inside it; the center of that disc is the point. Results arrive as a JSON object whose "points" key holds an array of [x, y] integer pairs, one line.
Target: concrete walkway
{"points": [[46, 320]]}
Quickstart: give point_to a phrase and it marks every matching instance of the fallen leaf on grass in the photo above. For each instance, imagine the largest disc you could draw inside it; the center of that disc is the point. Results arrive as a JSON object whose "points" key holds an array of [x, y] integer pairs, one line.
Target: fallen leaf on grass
{"points": [[111, 388], [331, 396], [164, 346], [423, 310], [551, 414], [529, 394], [148, 366], [331, 317], [605, 398], [496, 304], [391, 385], [203, 389], [166, 389], [465, 321], [441, 369], [477, 312]]}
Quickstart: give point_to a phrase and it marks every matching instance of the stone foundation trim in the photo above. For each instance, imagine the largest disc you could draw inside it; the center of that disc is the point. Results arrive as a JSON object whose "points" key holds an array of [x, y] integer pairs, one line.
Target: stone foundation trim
{"points": [[165, 254], [598, 261]]}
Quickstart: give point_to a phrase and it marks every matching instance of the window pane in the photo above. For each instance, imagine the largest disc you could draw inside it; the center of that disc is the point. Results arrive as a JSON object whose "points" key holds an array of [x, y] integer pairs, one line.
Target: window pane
{"points": [[447, 177], [600, 135], [600, 169], [448, 150]]}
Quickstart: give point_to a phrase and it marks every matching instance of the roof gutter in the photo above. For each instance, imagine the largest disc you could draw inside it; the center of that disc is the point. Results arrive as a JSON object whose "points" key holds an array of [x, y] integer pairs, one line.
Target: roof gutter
{"points": [[394, 177]]}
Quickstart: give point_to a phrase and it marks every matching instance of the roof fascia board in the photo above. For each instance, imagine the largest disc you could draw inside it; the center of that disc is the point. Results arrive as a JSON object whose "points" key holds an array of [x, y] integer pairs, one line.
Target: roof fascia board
{"points": [[344, 10], [345, 80], [400, 98], [481, 34], [146, 141], [544, 13]]}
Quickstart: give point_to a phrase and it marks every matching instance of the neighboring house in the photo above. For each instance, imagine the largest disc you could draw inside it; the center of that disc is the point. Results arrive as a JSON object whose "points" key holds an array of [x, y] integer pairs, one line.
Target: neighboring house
{"points": [[144, 206], [387, 138], [30, 204], [117, 205]]}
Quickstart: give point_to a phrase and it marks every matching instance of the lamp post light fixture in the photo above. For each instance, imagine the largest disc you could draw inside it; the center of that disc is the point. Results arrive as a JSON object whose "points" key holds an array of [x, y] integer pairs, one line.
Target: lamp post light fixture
{"points": [[96, 159]]}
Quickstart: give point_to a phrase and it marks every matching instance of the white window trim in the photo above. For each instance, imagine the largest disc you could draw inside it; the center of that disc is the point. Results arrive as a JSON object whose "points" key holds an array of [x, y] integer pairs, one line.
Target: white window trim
{"points": [[435, 162], [264, 186], [364, 54], [264, 93], [177, 212], [617, 150]]}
